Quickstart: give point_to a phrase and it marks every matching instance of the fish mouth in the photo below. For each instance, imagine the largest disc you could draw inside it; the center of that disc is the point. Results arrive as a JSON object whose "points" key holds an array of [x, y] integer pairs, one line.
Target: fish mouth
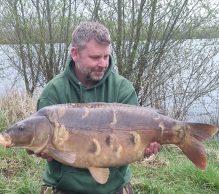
{"points": [[5, 140]]}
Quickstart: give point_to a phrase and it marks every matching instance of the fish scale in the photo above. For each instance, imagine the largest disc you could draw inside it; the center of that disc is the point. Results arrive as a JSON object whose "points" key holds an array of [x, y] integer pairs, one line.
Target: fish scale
{"points": [[97, 136]]}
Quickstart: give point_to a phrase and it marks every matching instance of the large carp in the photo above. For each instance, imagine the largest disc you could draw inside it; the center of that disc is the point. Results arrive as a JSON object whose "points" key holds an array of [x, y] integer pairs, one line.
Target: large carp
{"points": [[97, 136]]}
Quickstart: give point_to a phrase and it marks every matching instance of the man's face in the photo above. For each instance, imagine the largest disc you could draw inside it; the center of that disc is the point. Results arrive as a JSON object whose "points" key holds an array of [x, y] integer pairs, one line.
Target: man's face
{"points": [[91, 62]]}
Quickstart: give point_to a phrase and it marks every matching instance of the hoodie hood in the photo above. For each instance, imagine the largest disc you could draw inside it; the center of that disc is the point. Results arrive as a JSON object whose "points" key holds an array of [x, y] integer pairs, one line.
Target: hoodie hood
{"points": [[87, 94]]}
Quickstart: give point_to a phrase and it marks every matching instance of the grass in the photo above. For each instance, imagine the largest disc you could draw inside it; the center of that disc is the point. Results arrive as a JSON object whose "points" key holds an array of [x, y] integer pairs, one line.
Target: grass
{"points": [[169, 172], [19, 172]]}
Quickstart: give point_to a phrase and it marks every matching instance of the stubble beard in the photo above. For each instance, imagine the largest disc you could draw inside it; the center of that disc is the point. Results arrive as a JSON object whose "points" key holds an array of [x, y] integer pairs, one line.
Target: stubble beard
{"points": [[92, 74]]}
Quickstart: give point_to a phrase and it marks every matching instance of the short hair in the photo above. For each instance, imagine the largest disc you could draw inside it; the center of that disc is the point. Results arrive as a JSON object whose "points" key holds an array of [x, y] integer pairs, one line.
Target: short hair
{"points": [[87, 31]]}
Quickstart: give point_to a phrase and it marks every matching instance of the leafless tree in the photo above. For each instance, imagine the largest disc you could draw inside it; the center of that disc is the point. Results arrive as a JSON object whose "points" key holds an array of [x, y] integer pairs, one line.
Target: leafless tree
{"points": [[39, 33]]}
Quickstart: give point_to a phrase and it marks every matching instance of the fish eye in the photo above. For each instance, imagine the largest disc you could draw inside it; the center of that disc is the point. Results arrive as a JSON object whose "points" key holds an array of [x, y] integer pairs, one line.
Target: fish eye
{"points": [[21, 128]]}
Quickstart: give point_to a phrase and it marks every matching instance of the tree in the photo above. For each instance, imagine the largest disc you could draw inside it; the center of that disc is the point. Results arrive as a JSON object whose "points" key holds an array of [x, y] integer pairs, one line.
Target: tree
{"points": [[38, 33]]}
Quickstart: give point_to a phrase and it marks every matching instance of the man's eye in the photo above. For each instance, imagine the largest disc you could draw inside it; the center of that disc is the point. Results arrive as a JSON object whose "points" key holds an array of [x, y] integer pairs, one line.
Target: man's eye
{"points": [[94, 57], [106, 57]]}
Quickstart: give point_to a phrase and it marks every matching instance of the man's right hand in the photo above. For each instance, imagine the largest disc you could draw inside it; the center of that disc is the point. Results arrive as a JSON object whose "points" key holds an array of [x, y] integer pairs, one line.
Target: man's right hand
{"points": [[42, 155]]}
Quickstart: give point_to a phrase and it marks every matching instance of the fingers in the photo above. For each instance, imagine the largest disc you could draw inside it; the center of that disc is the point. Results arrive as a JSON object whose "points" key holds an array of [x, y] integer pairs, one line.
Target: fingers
{"points": [[153, 148], [41, 155], [30, 152], [45, 156]]}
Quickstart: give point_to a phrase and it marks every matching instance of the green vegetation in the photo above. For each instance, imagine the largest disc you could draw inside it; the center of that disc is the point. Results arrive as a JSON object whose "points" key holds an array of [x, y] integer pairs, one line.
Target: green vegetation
{"points": [[170, 172], [20, 173]]}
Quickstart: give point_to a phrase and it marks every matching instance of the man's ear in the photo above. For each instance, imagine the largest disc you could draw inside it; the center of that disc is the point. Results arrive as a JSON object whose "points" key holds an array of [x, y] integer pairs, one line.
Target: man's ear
{"points": [[74, 53]]}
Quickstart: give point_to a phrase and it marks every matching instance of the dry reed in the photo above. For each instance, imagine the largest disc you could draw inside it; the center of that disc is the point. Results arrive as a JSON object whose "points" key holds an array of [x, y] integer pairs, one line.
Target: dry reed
{"points": [[15, 105]]}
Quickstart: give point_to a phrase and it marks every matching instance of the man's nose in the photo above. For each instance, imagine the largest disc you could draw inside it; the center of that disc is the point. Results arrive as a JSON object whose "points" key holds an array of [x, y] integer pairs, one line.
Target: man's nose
{"points": [[102, 62]]}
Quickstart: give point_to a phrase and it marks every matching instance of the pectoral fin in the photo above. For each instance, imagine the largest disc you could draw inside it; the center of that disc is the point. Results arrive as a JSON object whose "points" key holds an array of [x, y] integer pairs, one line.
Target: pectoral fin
{"points": [[101, 175], [63, 157]]}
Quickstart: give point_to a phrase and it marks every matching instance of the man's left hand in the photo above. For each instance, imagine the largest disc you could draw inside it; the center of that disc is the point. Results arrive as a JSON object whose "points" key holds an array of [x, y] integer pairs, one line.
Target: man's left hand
{"points": [[153, 148]]}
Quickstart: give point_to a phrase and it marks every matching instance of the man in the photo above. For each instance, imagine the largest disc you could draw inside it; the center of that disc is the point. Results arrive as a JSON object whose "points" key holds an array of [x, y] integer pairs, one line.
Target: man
{"points": [[88, 77]]}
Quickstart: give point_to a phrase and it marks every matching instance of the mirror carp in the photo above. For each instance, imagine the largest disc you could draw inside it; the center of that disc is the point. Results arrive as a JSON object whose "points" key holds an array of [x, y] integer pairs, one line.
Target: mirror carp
{"points": [[97, 136]]}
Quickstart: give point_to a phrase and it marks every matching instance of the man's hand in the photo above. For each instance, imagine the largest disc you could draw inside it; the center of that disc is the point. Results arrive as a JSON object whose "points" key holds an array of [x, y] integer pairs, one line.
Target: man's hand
{"points": [[153, 148], [42, 155]]}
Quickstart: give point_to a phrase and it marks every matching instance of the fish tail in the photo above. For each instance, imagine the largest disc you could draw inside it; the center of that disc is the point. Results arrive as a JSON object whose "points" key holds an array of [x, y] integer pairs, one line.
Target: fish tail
{"points": [[193, 148]]}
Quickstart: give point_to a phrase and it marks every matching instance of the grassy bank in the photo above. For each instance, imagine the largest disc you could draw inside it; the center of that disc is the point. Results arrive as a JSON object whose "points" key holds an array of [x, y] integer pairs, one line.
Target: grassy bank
{"points": [[19, 172], [169, 172]]}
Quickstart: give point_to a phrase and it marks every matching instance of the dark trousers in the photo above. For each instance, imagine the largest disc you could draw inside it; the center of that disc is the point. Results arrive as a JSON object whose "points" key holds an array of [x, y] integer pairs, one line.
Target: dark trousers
{"points": [[127, 189]]}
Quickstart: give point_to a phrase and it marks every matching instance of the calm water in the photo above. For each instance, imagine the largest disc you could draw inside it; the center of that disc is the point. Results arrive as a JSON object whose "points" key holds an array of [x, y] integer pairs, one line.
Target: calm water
{"points": [[9, 78]]}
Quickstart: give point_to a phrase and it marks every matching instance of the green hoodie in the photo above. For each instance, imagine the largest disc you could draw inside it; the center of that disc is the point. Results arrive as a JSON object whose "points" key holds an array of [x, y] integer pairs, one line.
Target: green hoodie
{"points": [[65, 88]]}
